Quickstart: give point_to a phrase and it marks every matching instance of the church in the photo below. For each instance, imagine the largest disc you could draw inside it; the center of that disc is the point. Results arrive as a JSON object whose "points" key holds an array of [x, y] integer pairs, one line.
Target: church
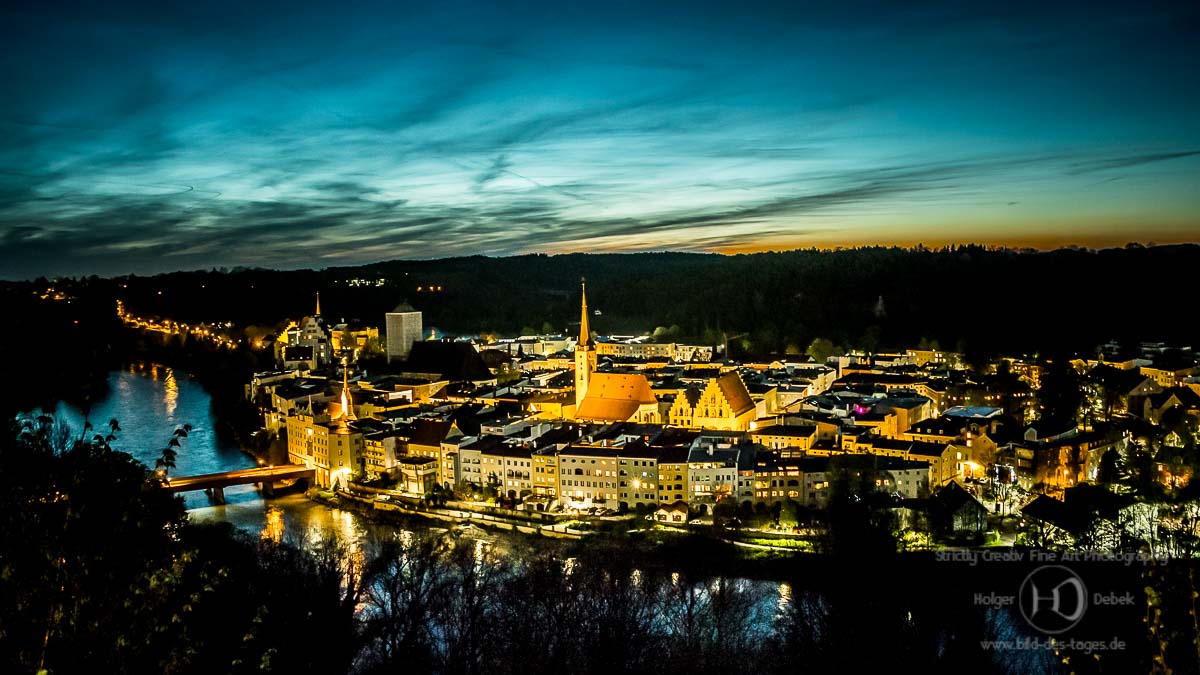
{"points": [[608, 397]]}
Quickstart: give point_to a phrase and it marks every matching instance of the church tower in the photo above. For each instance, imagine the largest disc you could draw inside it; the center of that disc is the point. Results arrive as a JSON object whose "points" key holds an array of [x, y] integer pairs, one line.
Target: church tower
{"points": [[585, 351], [347, 409]]}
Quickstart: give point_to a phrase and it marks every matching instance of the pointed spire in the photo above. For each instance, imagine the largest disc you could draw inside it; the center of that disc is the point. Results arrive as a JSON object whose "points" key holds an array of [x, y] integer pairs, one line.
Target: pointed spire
{"points": [[585, 333], [318, 304], [347, 402]]}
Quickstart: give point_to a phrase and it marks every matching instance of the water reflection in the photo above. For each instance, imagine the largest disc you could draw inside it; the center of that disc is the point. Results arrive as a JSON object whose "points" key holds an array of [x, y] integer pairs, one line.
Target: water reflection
{"points": [[481, 551], [273, 530], [170, 394], [785, 598]]}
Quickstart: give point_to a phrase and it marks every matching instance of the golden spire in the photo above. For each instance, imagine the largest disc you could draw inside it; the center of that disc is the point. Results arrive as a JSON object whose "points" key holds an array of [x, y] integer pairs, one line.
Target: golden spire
{"points": [[318, 304], [347, 402], [585, 333]]}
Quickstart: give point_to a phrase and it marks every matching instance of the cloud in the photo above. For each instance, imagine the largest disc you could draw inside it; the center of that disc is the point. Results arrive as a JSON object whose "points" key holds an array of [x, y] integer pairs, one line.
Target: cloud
{"points": [[151, 138], [349, 219], [497, 168], [1127, 161]]}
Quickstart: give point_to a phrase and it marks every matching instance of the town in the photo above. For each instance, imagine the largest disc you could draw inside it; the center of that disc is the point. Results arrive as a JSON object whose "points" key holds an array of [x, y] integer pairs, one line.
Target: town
{"points": [[561, 426]]}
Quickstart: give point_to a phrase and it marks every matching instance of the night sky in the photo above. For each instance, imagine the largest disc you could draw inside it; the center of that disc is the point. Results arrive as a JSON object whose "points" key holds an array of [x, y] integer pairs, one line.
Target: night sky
{"points": [[163, 136]]}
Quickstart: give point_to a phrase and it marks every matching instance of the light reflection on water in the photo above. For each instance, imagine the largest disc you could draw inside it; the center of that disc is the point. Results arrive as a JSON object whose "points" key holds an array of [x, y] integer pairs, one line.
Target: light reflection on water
{"points": [[481, 550], [273, 530], [785, 598], [170, 394]]}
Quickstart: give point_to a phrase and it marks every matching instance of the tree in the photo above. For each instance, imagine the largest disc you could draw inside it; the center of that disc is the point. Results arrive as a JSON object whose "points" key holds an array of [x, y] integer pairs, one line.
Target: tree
{"points": [[166, 461], [869, 342], [820, 349], [373, 347], [1060, 395], [1109, 471], [1180, 422], [926, 344]]}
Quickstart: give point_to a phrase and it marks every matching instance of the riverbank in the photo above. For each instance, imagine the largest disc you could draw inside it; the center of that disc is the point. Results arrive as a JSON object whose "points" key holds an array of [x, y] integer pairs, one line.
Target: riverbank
{"points": [[389, 513], [664, 549]]}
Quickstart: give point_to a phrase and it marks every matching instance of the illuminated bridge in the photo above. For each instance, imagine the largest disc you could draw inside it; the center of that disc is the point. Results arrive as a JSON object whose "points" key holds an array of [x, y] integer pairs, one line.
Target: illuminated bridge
{"points": [[214, 484]]}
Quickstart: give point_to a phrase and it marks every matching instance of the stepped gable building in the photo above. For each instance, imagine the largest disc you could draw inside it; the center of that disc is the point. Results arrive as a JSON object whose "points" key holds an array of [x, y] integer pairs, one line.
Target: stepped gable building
{"points": [[724, 403]]}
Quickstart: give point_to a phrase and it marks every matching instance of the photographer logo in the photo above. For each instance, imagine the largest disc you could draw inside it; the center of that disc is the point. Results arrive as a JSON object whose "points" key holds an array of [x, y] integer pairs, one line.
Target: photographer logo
{"points": [[1053, 599]]}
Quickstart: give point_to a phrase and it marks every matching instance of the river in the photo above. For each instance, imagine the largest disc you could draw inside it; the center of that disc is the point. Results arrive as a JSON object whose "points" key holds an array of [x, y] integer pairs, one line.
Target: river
{"points": [[150, 401]]}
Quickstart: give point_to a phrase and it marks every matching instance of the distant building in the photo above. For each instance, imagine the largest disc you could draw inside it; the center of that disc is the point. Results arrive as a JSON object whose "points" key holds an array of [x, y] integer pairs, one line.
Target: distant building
{"points": [[954, 512], [352, 339], [673, 513], [298, 357], [791, 441], [642, 349], [673, 475], [712, 470], [588, 476], [637, 350], [403, 326], [309, 343], [418, 475]]}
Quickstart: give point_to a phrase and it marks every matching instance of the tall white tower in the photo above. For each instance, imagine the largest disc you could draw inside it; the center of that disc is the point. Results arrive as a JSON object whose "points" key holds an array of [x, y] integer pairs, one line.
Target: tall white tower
{"points": [[403, 326]]}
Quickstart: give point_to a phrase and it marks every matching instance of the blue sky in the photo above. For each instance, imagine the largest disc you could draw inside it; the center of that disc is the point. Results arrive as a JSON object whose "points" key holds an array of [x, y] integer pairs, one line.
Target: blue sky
{"points": [[146, 138]]}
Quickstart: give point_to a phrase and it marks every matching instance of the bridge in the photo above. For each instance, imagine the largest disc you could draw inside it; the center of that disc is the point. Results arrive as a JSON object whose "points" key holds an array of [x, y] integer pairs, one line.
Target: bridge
{"points": [[214, 484]]}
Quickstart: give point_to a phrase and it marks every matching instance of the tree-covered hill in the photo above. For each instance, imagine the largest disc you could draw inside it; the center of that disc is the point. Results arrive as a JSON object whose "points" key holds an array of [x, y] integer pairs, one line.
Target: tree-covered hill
{"points": [[970, 297]]}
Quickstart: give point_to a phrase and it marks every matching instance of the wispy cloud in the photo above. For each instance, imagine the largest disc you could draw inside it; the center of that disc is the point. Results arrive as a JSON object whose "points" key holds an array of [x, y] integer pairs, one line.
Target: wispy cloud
{"points": [[146, 138], [1127, 161]]}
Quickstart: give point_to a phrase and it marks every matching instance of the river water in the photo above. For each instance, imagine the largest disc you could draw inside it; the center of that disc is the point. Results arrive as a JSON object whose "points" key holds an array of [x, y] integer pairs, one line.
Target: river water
{"points": [[150, 401]]}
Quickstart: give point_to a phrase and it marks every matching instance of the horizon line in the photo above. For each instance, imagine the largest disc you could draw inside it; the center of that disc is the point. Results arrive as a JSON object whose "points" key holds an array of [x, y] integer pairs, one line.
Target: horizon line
{"points": [[765, 249]]}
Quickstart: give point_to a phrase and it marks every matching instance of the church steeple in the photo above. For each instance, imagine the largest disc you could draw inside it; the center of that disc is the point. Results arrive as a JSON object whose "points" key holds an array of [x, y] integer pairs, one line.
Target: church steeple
{"points": [[318, 304], [585, 351], [585, 333], [347, 415]]}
